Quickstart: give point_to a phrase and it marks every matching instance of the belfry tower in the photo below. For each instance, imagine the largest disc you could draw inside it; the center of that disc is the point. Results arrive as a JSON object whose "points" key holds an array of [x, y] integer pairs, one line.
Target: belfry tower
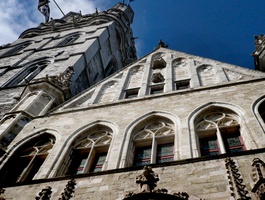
{"points": [[55, 61], [82, 119]]}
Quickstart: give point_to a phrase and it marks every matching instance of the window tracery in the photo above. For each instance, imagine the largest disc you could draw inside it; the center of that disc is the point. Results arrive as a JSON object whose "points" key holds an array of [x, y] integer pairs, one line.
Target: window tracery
{"points": [[16, 49], [154, 143], [30, 158], [218, 133], [89, 154], [28, 73], [70, 39]]}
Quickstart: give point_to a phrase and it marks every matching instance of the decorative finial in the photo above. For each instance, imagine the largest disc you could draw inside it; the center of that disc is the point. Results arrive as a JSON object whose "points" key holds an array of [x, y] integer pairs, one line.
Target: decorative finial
{"points": [[161, 44]]}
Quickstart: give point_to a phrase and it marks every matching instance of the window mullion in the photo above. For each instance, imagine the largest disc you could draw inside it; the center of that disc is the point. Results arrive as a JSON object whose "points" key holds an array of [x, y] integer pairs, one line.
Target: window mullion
{"points": [[154, 150], [220, 140], [28, 168], [90, 158]]}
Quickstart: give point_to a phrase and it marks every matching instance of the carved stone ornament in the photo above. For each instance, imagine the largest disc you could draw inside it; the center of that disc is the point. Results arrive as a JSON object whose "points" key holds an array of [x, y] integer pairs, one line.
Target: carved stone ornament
{"points": [[146, 188], [158, 78], [147, 180], [258, 176], [69, 190], [2, 191], [159, 63], [258, 39], [237, 186], [45, 194]]}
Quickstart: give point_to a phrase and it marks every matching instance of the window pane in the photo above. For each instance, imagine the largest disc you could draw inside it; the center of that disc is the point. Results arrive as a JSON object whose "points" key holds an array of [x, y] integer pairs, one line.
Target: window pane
{"points": [[78, 162], [209, 146], [233, 143], [165, 153], [99, 162], [131, 93], [142, 156], [157, 89]]}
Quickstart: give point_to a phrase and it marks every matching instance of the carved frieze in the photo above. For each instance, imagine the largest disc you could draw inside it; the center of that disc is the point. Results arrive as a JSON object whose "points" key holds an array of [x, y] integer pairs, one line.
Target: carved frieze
{"points": [[237, 186]]}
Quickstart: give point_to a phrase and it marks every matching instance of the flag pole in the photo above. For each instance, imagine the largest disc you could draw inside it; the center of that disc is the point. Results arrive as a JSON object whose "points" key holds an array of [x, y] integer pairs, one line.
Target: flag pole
{"points": [[59, 7]]}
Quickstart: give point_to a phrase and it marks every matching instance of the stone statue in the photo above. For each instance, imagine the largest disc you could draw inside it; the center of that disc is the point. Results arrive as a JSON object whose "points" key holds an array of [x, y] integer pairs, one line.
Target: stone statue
{"points": [[147, 180]]}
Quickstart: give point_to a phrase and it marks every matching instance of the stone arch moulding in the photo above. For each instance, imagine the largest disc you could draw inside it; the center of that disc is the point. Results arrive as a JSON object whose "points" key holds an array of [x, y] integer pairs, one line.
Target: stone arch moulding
{"points": [[26, 141], [76, 135], [69, 38], [25, 71], [255, 109], [123, 157], [247, 134], [102, 89], [17, 48]]}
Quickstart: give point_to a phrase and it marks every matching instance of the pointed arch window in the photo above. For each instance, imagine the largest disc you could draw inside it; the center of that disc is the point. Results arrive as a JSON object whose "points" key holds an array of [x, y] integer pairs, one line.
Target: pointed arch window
{"points": [[27, 161], [218, 133], [70, 39], [28, 73], [17, 49], [89, 154], [261, 110], [154, 143]]}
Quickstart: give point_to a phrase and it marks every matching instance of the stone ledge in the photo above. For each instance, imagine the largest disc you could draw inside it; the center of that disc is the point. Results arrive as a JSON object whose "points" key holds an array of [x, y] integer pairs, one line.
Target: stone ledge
{"points": [[128, 169]]}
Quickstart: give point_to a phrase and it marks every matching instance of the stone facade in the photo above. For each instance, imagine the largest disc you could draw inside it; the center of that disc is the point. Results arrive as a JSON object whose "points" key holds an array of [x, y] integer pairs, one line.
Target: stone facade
{"points": [[69, 134]]}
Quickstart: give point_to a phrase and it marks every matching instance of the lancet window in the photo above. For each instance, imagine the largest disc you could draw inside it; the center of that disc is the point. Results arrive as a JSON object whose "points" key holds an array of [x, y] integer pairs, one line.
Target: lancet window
{"points": [[218, 133], [69, 39], [16, 49], [28, 73], [261, 110], [90, 153], [26, 162], [154, 143]]}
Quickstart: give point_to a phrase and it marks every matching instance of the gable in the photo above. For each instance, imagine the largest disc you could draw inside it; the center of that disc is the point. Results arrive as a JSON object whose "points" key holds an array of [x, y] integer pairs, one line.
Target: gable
{"points": [[161, 71]]}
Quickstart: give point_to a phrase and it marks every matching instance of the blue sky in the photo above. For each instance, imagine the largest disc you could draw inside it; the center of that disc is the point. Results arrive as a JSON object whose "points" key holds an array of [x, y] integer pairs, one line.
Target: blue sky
{"points": [[220, 30]]}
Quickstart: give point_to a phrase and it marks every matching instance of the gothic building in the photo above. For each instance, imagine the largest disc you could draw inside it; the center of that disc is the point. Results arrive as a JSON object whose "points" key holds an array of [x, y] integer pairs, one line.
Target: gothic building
{"points": [[83, 118]]}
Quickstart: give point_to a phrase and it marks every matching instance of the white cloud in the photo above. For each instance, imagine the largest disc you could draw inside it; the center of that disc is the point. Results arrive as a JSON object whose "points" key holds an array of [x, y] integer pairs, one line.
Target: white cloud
{"points": [[18, 15]]}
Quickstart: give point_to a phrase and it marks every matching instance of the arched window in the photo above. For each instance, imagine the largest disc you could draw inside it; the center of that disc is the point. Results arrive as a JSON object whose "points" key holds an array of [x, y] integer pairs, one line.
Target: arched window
{"points": [[70, 39], [261, 110], [89, 153], [17, 49], [28, 73], [219, 132], [27, 160], [154, 143]]}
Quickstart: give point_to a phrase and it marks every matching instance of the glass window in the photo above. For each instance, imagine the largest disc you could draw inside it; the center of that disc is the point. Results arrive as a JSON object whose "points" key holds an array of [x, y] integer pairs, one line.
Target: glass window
{"points": [[69, 40], [27, 161], [27, 74], [218, 133], [182, 85], [89, 154], [16, 49], [142, 156], [154, 143], [131, 93], [209, 146], [157, 89]]}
